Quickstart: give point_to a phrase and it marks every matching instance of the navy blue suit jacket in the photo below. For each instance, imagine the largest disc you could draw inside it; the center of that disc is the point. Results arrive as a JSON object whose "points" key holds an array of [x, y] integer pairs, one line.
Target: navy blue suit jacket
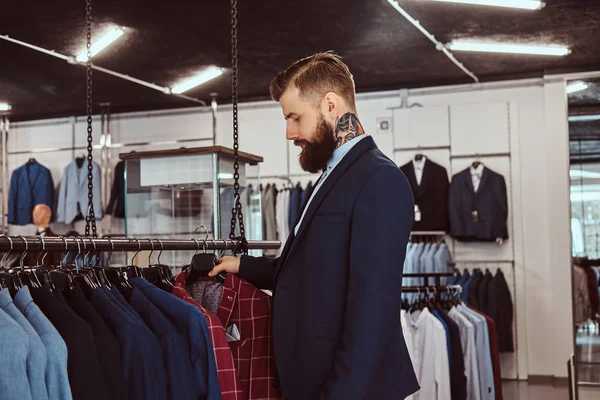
{"points": [[490, 201], [337, 286], [30, 185]]}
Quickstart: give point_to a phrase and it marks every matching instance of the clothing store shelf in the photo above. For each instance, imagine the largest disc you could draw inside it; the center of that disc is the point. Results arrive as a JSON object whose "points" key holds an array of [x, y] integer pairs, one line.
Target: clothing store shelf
{"points": [[455, 262], [423, 148], [457, 156]]}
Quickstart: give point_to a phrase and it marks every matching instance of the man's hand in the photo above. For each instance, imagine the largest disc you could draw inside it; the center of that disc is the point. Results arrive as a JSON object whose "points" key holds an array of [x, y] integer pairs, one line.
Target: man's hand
{"points": [[226, 264]]}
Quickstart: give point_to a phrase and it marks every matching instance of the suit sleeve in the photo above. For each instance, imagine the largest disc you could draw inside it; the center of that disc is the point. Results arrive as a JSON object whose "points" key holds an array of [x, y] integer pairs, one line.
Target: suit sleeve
{"points": [[444, 188], [13, 199], [503, 204], [259, 271], [381, 223], [456, 226]]}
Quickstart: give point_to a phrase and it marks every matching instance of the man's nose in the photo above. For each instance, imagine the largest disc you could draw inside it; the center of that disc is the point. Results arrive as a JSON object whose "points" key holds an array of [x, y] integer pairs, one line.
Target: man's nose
{"points": [[291, 133]]}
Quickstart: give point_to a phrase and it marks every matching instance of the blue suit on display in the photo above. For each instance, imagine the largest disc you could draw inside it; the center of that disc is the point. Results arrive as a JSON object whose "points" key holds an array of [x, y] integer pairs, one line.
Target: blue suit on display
{"points": [[337, 285], [30, 185]]}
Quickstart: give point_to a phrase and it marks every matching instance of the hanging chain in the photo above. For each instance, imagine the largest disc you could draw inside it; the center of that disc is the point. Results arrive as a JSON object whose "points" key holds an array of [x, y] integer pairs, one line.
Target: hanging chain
{"points": [[236, 211], [90, 219]]}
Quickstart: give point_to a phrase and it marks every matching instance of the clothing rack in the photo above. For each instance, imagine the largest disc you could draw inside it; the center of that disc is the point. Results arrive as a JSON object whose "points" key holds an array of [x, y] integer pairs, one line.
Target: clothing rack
{"points": [[458, 156], [432, 289], [437, 277], [421, 148], [453, 263], [428, 233], [20, 243]]}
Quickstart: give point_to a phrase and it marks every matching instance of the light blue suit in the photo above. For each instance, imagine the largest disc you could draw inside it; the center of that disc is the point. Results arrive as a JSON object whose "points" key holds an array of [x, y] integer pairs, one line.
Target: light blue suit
{"points": [[36, 358], [57, 380], [14, 347], [74, 190]]}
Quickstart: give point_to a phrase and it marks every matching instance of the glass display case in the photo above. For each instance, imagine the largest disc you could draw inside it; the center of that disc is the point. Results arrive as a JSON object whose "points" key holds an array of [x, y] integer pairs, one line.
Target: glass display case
{"points": [[170, 193]]}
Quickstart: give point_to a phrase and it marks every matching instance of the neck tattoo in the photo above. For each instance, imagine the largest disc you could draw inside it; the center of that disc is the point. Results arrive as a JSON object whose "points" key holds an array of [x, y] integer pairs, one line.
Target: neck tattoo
{"points": [[347, 127]]}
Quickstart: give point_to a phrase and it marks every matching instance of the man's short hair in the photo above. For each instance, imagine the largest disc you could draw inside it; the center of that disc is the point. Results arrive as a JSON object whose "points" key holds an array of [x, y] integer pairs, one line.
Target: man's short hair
{"points": [[315, 76]]}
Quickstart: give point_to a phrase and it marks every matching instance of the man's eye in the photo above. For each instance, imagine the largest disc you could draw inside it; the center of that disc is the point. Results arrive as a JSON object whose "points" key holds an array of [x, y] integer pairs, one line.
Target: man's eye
{"points": [[296, 119]]}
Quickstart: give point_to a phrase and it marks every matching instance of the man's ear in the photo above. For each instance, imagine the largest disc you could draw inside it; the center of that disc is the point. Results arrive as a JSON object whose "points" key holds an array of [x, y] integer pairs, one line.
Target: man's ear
{"points": [[331, 105]]}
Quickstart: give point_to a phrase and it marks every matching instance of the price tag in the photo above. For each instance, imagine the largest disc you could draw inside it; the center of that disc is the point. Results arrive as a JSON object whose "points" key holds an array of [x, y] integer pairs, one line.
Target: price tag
{"points": [[417, 213], [475, 216]]}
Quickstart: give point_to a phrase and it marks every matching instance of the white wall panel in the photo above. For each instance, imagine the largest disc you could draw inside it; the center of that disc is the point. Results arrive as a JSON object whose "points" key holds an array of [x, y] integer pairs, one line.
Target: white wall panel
{"points": [[421, 127], [479, 128]]}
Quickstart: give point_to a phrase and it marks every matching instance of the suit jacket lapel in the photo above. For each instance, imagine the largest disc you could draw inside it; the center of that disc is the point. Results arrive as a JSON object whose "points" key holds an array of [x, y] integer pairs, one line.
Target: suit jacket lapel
{"points": [[358, 150]]}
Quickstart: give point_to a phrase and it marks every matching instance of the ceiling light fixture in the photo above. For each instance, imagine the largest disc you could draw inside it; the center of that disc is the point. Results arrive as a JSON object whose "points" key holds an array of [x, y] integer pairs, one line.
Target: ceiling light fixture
{"points": [[582, 174], [584, 118], [576, 87], [5, 107], [102, 43], [542, 50], [204, 77], [522, 4]]}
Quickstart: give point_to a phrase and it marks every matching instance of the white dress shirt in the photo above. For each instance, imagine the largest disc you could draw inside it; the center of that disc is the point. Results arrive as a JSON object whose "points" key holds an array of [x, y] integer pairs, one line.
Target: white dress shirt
{"points": [[335, 159], [427, 337], [467, 342], [476, 174], [418, 166]]}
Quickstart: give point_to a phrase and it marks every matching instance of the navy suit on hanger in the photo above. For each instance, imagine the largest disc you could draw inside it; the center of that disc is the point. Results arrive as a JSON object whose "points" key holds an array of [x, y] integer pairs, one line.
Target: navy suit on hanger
{"points": [[30, 185], [337, 286]]}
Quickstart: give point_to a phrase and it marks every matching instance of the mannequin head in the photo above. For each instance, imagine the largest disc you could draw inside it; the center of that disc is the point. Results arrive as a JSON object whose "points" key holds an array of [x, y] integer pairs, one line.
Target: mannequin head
{"points": [[42, 216]]}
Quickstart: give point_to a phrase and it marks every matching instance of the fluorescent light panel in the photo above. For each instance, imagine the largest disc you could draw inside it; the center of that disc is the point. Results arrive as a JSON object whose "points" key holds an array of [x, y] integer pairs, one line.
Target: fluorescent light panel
{"points": [[522, 4], [204, 77], [584, 118], [5, 107], [582, 174], [101, 44], [577, 87], [541, 50]]}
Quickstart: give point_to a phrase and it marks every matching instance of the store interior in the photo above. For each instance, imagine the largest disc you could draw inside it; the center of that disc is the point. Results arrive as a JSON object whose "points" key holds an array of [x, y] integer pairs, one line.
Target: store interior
{"points": [[171, 89]]}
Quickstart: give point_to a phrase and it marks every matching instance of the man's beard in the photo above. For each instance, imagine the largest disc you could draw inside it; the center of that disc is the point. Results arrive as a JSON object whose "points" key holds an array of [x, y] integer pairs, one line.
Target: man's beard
{"points": [[319, 149]]}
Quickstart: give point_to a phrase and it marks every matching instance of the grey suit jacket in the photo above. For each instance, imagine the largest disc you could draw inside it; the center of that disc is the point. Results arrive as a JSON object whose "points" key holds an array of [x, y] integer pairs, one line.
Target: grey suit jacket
{"points": [[74, 190]]}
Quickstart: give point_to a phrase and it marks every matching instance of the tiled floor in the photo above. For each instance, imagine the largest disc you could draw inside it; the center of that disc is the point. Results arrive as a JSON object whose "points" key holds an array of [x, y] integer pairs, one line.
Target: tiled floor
{"points": [[588, 355], [513, 390], [521, 390]]}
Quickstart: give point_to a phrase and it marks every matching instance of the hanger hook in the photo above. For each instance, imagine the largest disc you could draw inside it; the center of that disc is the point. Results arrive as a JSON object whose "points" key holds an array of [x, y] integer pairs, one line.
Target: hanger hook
{"points": [[42, 253], [5, 255], [151, 251], [203, 227], [64, 252], [161, 250], [22, 259], [112, 249], [78, 252], [137, 252], [197, 246]]}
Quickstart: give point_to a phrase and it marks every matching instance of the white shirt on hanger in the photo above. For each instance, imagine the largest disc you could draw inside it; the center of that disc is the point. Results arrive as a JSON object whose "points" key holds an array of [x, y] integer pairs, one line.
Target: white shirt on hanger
{"points": [[419, 165], [426, 335], [476, 174], [467, 341]]}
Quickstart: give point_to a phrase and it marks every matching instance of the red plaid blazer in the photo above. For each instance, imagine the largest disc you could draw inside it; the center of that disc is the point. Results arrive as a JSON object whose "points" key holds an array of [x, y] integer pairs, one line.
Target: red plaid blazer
{"points": [[250, 310], [228, 380]]}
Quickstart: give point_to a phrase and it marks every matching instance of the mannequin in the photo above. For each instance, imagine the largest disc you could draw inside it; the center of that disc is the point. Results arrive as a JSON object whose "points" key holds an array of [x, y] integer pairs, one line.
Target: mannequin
{"points": [[41, 218], [42, 215]]}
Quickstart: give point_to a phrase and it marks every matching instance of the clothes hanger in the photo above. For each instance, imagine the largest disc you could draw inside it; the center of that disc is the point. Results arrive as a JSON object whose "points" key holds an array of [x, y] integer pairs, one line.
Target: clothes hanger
{"points": [[155, 273], [166, 269], [201, 264], [28, 276], [7, 278], [133, 270], [116, 276], [419, 157]]}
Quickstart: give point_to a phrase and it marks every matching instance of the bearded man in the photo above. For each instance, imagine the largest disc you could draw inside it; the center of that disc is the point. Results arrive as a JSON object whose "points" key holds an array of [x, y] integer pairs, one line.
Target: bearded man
{"points": [[337, 285]]}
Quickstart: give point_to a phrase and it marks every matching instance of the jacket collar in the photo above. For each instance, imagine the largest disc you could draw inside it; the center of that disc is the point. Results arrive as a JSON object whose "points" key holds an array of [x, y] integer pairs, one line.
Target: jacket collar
{"points": [[349, 159]]}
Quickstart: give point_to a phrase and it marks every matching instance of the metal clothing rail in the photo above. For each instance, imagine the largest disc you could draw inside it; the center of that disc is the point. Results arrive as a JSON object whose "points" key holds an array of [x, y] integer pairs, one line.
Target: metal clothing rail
{"points": [[36, 243], [432, 289], [428, 233], [421, 148]]}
